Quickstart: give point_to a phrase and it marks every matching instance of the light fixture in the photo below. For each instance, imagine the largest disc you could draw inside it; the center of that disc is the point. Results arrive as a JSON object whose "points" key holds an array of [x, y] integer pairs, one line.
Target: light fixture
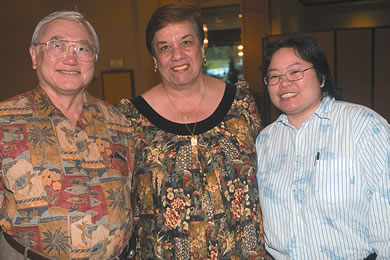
{"points": [[240, 49], [206, 40]]}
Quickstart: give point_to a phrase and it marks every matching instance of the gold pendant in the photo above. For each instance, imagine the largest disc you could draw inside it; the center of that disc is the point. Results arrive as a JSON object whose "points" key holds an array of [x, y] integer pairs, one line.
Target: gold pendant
{"points": [[184, 116], [194, 141]]}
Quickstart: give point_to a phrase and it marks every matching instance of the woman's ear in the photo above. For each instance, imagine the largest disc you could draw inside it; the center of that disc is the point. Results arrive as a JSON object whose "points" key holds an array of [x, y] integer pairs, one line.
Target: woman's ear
{"points": [[155, 63], [322, 81]]}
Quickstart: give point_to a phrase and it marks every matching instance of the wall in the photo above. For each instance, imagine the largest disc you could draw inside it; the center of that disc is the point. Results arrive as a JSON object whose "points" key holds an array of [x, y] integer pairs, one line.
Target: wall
{"points": [[254, 27], [374, 13], [286, 16]]}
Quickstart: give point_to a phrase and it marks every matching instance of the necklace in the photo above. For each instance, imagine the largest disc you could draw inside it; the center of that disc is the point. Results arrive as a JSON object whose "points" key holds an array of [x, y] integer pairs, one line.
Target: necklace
{"points": [[184, 116]]}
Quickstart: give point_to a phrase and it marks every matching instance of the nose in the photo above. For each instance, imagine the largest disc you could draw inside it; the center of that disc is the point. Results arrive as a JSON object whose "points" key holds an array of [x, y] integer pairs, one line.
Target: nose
{"points": [[283, 81], [177, 53], [71, 56]]}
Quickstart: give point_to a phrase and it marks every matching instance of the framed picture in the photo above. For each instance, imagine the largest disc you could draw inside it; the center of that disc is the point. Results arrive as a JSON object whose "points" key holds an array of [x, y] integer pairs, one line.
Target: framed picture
{"points": [[117, 84]]}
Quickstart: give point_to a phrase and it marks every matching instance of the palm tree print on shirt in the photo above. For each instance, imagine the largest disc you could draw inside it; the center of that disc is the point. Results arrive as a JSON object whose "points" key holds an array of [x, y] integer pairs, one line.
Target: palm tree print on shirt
{"points": [[41, 136]]}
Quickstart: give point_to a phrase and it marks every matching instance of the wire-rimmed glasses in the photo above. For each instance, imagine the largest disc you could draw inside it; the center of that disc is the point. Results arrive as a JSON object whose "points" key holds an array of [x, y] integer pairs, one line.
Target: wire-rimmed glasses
{"points": [[291, 75], [58, 49]]}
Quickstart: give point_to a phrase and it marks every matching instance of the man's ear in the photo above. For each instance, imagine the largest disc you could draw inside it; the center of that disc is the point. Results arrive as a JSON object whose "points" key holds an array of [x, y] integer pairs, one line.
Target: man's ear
{"points": [[33, 53]]}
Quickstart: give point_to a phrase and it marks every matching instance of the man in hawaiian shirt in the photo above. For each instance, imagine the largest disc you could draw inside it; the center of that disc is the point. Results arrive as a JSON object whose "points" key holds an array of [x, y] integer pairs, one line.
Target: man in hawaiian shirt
{"points": [[65, 162]]}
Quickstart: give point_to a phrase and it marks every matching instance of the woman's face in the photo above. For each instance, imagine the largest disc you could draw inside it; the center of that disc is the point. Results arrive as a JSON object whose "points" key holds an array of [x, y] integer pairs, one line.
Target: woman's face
{"points": [[178, 54], [297, 99]]}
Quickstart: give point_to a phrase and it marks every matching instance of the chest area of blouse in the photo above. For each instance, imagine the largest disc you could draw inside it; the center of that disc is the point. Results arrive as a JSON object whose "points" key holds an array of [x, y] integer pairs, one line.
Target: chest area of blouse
{"points": [[312, 164]]}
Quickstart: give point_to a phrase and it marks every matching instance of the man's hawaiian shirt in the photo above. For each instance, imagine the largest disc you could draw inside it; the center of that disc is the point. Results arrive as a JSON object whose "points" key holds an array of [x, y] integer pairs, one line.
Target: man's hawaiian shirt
{"points": [[65, 193]]}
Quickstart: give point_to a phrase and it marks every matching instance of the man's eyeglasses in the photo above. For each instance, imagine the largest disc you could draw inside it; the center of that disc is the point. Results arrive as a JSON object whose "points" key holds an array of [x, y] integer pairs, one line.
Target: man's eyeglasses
{"points": [[58, 49], [291, 75]]}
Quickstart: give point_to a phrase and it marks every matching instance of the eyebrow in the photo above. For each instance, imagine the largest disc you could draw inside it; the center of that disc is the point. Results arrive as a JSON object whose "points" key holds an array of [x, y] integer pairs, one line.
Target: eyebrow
{"points": [[182, 38], [288, 67], [58, 37], [161, 42], [186, 36]]}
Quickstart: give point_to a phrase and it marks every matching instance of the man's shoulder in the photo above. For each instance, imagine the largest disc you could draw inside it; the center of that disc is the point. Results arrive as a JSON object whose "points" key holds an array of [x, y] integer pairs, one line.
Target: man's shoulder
{"points": [[17, 99], [105, 105], [101, 102], [18, 106], [109, 111]]}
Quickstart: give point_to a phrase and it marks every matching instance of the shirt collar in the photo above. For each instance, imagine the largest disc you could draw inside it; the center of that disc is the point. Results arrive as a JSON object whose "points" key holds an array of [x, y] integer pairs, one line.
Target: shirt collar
{"points": [[322, 112], [325, 108], [44, 107]]}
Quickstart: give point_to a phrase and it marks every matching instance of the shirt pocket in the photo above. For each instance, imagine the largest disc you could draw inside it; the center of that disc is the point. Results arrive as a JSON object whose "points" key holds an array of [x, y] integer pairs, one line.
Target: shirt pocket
{"points": [[336, 184]]}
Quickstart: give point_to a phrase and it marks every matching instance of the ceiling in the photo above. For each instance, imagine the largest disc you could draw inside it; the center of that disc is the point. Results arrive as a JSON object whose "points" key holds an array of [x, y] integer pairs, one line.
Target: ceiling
{"points": [[322, 2]]}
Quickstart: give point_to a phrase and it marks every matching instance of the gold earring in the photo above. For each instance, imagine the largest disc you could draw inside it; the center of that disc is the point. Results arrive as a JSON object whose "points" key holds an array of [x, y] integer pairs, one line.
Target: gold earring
{"points": [[155, 68]]}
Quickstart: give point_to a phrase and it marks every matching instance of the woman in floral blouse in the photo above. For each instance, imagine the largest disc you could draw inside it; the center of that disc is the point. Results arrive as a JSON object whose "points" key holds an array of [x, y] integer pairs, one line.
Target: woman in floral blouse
{"points": [[195, 162]]}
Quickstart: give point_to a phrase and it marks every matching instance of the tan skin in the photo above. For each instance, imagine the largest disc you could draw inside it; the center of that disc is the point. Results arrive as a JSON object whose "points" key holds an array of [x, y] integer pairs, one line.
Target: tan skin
{"points": [[179, 58], [64, 80]]}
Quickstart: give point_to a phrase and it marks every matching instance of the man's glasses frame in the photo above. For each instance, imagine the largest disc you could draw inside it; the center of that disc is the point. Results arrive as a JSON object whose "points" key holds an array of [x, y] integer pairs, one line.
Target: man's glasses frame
{"points": [[84, 51]]}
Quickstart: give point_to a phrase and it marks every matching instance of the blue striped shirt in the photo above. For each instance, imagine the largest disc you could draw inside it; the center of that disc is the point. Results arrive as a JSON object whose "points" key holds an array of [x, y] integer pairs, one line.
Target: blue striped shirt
{"points": [[324, 189]]}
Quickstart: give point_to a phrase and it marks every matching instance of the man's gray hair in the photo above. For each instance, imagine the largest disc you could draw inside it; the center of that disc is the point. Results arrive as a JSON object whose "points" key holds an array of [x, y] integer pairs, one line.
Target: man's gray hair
{"points": [[65, 15]]}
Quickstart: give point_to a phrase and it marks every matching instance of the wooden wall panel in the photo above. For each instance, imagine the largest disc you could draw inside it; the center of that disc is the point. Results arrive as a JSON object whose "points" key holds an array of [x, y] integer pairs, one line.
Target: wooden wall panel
{"points": [[253, 30], [354, 65], [381, 68], [326, 40]]}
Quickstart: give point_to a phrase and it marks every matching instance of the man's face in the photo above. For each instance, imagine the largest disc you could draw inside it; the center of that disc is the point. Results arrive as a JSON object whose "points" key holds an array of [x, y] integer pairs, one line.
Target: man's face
{"points": [[68, 75]]}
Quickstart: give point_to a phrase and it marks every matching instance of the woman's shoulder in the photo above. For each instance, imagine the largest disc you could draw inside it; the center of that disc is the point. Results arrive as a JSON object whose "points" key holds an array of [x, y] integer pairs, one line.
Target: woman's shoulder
{"points": [[242, 86], [125, 106], [154, 93], [242, 91], [356, 112]]}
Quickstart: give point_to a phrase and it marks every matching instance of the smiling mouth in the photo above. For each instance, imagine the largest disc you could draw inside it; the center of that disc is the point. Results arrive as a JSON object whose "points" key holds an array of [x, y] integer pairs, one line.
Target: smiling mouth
{"points": [[73, 72], [288, 95], [180, 68]]}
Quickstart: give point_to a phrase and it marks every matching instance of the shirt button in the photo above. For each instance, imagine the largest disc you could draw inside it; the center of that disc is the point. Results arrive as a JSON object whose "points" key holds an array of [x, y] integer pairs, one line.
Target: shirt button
{"points": [[131, 254]]}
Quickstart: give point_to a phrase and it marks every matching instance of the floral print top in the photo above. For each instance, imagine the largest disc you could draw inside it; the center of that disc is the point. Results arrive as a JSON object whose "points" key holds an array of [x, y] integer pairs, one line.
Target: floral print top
{"points": [[65, 193], [197, 201]]}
